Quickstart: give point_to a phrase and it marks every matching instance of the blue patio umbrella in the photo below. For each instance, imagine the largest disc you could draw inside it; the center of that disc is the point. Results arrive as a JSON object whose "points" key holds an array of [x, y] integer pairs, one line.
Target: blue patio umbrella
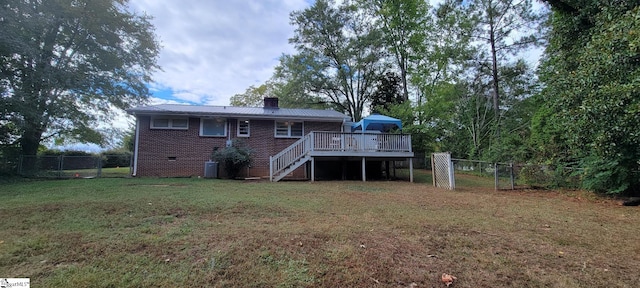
{"points": [[377, 122]]}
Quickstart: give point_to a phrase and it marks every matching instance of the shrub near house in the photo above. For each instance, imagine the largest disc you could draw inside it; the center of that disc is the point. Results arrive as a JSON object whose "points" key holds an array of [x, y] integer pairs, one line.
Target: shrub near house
{"points": [[233, 158]]}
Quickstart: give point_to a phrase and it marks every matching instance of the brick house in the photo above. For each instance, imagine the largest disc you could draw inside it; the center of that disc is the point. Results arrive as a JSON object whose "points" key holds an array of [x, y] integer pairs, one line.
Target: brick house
{"points": [[176, 140]]}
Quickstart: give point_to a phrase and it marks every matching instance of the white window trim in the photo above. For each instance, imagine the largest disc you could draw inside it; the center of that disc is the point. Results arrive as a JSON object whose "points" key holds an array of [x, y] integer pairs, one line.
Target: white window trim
{"points": [[170, 127], [248, 128], [202, 127], [275, 129]]}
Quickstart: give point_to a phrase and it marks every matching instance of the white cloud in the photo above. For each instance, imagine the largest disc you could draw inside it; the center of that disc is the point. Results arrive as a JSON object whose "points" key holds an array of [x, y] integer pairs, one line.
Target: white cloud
{"points": [[158, 101], [215, 49], [188, 96]]}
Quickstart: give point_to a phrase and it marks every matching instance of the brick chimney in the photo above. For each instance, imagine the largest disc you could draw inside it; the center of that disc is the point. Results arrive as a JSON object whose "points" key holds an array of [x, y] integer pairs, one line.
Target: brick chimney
{"points": [[270, 102]]}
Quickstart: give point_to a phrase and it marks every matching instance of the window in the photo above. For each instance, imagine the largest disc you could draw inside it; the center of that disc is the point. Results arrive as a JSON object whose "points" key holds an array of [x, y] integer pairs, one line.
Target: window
{"points": [[296, 129], [169, 123], [161, 123], [282, 129], [180, 123], [213, 127], [243, 128], [286, 129]]}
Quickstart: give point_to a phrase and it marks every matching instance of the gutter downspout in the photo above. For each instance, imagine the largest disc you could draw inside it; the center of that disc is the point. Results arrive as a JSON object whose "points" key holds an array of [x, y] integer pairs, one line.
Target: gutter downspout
{"points": [[135, 149]]}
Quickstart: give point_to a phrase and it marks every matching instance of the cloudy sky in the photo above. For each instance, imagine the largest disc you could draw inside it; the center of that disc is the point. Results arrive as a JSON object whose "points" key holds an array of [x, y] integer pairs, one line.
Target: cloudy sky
{"points": [[212, 50]]}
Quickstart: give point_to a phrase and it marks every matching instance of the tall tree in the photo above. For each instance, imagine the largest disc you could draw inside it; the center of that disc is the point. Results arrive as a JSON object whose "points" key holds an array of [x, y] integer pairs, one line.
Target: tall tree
{"points": [[518, 106], [287, 90], [440, 62], [339, 54], [474, 113], [503, 28], [292, 87], [405, 24], [387, 93], [253, 96], [65, 64]]}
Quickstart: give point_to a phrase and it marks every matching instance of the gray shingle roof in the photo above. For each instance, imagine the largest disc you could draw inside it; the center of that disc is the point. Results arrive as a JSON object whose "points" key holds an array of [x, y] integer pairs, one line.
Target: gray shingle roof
{"points": [[247, 112]]}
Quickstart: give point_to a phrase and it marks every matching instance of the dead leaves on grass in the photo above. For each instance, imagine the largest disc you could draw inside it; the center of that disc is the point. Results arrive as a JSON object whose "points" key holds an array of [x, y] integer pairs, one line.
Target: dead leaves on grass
{"points": [[447, 279]]}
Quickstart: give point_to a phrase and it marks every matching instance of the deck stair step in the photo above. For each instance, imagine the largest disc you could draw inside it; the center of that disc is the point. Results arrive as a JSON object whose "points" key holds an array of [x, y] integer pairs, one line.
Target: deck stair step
{"points": [[290, 158], [290, 168]]}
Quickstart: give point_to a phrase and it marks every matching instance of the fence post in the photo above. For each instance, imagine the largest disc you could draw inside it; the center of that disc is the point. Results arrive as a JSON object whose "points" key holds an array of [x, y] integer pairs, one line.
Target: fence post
{"points": [[20, 165], [452, 180], [495, 174], [433, 171], [512, 177], [60, 165], [100, 165]]}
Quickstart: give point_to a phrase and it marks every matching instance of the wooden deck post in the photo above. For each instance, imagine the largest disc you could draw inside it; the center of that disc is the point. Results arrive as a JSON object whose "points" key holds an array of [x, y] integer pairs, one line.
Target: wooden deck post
{"points": [[411, 170], [344, 169], [386, 169], [364, 169], [313, 169]]}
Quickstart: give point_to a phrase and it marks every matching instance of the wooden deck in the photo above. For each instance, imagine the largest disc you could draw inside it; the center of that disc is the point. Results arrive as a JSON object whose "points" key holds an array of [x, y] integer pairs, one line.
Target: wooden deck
{"points": [[338, 145], [376, 145]]}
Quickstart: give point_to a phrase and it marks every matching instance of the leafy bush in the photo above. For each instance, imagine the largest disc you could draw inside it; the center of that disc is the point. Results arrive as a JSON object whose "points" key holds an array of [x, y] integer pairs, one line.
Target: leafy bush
{"points": [[233, 158], [605, 176], [549, 176], [116, 158], [9, 158], [536, 176]]}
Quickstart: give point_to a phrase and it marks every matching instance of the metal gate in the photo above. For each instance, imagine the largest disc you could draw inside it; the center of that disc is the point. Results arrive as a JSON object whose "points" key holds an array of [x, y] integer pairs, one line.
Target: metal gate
{"points": [[442, 169]]}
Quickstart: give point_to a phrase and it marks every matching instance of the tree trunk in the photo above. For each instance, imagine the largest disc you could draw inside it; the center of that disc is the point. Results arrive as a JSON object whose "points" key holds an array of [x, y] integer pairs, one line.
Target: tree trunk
{"points": [[30, 141], [405, 89], [494, 74]]}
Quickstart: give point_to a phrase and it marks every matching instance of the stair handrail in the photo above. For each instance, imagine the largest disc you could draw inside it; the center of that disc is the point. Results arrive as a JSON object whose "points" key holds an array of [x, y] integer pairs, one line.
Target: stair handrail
{"points": [[290, 155]]}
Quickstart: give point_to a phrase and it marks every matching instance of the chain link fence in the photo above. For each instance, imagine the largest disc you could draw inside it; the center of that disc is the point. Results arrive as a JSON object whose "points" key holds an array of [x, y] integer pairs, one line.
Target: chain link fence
{"points": [[483, 174], [517, 176], [117, 166], [548, 176], [63, 166]]}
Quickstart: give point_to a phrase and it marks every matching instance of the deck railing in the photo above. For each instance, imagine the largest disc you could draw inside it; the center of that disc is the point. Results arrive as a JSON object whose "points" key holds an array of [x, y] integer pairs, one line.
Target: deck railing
{"points": [[370, 142]]}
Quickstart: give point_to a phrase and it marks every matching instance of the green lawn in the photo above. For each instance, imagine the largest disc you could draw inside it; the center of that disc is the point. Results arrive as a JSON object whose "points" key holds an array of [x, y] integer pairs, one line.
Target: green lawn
{"points": [[115, 172], [221, 233]]}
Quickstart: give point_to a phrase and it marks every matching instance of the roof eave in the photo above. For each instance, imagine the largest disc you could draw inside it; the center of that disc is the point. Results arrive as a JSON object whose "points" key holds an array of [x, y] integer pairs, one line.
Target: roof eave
{"points": [[240, 116]]}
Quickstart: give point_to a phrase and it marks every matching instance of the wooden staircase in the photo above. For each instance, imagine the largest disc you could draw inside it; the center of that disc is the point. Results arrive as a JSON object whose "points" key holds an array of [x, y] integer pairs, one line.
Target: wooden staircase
{"points": [[289, 159]]}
